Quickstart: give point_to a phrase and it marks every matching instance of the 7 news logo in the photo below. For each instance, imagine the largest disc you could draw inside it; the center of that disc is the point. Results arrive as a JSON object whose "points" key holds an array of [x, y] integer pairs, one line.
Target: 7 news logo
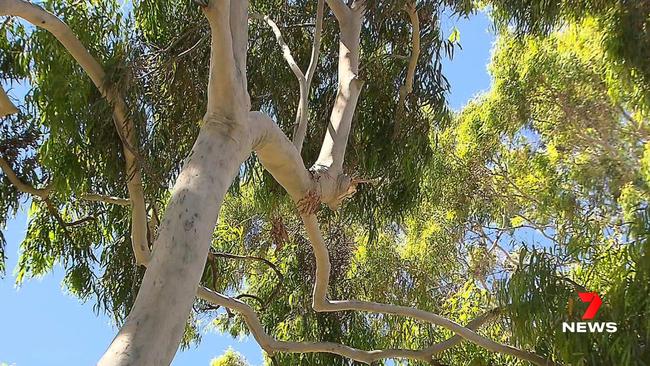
{"points": [[594, 302]]}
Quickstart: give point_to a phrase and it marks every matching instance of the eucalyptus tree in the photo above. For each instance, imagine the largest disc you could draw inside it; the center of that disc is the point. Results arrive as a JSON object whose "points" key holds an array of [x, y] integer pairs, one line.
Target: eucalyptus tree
{"points": [[128, 141], [228, 132]]}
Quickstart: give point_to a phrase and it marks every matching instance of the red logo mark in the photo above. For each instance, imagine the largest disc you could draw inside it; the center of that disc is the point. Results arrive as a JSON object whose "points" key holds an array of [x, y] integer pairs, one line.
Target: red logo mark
{"points": [[594, 304]]}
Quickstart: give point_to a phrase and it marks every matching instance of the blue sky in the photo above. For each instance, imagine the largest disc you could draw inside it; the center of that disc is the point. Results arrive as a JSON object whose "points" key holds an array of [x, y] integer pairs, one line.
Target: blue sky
{"points": [[42, 325]]}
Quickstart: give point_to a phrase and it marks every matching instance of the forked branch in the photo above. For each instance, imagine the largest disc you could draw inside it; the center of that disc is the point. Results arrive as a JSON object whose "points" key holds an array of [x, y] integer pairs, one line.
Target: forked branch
{"points": [[282, 161], [304, 80], [273, 346]]}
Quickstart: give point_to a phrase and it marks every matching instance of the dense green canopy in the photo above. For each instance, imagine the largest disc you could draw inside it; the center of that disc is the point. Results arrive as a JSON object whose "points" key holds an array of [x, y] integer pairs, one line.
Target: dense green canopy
{"points": [[535, 190]]}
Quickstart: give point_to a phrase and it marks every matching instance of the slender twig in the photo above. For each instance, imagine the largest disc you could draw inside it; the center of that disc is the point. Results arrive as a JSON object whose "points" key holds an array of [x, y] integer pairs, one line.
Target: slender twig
{"points": [[304, 79], [93, 197], [278, 274], [407, 88]]}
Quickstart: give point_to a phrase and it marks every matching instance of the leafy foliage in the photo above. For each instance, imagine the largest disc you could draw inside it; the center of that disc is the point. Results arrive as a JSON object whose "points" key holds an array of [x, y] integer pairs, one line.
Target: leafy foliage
{"points": [[229, 358], [534, 190]]}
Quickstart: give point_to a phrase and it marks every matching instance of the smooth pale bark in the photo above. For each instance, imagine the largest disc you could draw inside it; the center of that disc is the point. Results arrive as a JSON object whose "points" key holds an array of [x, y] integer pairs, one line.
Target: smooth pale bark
{"points": [[279, 156], [407, 88], [304, 79], [349, 88], [6, 106], [124, 126], [155, 325], [272, 346], [321, 303], [334, 185]]}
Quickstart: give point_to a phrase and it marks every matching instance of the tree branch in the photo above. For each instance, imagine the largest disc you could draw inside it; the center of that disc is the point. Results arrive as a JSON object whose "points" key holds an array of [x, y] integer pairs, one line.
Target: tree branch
{"points": [[349, 88], [407, 88], [328, 168], [302, 114], [6, 106], [286, 51], [272, 146], [123, 124], [278, 274], [42, 193], [227, 82], [272, 346], [340, 9], [474, 325], [93, 197], [304, 80], [322, 304]]}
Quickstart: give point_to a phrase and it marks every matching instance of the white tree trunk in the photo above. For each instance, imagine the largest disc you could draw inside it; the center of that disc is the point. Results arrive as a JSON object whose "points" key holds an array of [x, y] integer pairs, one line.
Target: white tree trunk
{"points": [[155, 325]]}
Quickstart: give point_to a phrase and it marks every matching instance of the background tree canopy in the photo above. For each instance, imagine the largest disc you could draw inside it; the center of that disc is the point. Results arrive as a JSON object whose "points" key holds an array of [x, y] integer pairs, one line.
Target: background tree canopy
{"points": [[451, 218]]}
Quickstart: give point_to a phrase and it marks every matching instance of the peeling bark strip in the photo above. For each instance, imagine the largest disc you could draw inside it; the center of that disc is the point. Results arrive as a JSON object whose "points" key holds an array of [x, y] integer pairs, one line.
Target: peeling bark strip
{"points": [[153, 330]]}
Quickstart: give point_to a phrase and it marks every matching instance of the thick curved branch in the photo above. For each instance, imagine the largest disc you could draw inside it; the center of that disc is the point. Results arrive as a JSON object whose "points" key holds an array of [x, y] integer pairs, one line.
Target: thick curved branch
{"points": [[42, 193], [322, 304], [279, 156], [272, 346], [407, 88], [123, 124], [330, 158], [270, 145]]}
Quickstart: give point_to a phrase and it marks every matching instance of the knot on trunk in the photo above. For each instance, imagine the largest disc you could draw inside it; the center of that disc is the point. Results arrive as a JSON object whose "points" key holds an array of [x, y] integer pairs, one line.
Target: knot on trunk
{"points": [[333, 188]]}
